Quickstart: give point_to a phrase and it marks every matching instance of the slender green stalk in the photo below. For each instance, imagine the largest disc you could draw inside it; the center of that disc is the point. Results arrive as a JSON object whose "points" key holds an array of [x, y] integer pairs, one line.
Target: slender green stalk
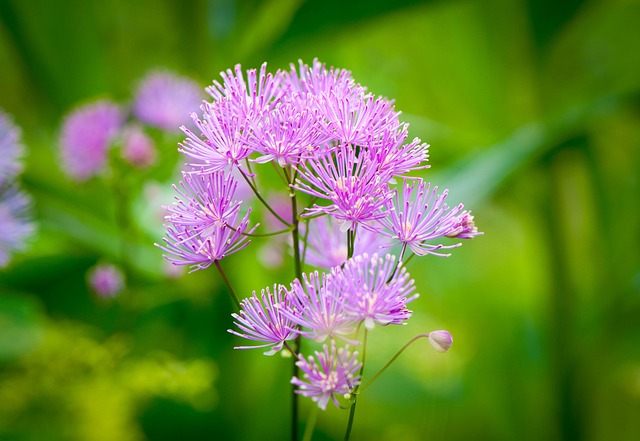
{"points": [[234, 297], [356, 390], [297, 263], [261, 199], [311, 424], [390, 362], [351, 239], [393, 273], [274, 233]]}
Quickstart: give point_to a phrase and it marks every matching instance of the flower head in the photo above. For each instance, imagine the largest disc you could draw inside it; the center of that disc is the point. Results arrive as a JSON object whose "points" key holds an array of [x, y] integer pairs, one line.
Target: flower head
{"points": [[287, 134], [164, 100], [418, 215], [358, 119], [374, 290], [222, 143], [138, 148], [249, 98], [317, 79], [204, 221], [11, 149], [106, 280], [317, 306], [87, 133], [15, 222], [351, 181], [261, 319], [464, 228], [331, 373]]}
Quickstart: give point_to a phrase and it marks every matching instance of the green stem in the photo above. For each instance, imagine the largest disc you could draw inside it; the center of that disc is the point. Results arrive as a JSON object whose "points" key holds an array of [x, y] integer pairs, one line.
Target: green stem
{"points": [[311, 424], [261, 199], [226, 281], [352, 411], [351, 240], [295, 235], [390, 362]]}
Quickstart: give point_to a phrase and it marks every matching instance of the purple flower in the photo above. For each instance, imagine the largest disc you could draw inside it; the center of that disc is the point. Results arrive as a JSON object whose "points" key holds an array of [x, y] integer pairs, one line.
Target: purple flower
{"points": [[138, 148], [465, 228], [317, 79], [374, 290], [287, 134], [261, 319], [106, 280], [350, 180], [331, 373], [11, 149], [398, 158], [326, 245], [251, 98], [164, 100], [87, 133], [418, 214], [223, 142], [317, 306], [358, 119], [15, 222], [203, 219]]}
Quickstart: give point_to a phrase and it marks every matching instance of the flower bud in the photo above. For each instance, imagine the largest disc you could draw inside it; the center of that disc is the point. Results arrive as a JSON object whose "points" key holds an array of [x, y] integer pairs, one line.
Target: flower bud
{"points": [[106, 280], [440, 340]]}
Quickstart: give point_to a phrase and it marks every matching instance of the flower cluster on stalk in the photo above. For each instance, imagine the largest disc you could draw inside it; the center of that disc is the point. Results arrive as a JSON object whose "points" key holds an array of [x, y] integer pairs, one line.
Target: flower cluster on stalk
{"points": [[345, 161]]}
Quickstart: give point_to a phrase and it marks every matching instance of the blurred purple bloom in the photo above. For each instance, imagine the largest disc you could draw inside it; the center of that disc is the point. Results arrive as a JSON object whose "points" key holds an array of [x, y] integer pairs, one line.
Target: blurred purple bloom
{"points": [[418, 214], [351, 181], [261, 319], [11, 149], [87, 133], [138, 149], [106, 280], [316, 306], [374, 290], [164, 100], [326, 245], [15, 222], [203, 220], [331, 373]]}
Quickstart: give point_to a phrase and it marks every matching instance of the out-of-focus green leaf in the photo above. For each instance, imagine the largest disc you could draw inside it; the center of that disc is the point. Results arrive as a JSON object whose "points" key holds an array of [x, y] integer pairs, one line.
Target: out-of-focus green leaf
{"points": [[479, 175], [596, 54], [21, 325]]}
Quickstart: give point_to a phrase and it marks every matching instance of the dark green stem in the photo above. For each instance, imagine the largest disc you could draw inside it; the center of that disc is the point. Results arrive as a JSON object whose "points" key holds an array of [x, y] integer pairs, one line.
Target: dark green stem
{"points": [[226, 281], [297, 262], [351, 240], [261, 199], [352, 411]]}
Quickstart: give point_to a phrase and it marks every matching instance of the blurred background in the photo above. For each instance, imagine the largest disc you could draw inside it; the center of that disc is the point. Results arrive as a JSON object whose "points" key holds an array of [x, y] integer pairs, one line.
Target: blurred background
{"points": [[532, 110]]}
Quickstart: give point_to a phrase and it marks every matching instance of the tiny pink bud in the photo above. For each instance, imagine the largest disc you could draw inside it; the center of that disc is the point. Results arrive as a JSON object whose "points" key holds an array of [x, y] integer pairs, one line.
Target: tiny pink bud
{"points": [[137, 147], [106, 280], [440, 340]]}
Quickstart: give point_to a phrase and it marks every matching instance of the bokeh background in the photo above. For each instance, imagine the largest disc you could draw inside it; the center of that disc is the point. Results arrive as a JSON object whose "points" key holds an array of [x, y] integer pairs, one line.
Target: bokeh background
{"points": [[532, 110]]}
